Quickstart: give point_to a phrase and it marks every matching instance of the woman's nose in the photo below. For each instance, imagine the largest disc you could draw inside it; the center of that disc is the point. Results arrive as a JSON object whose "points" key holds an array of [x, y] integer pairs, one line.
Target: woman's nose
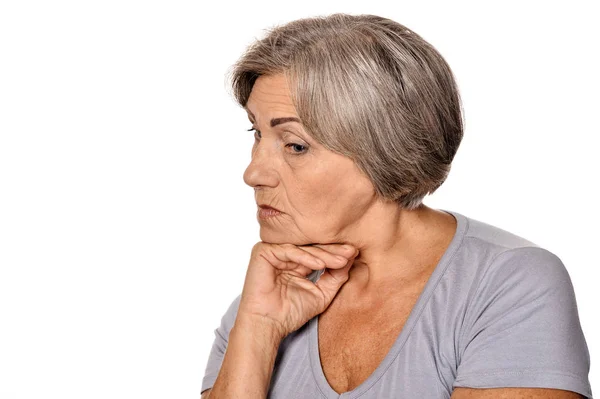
{"points": [[262, 168]]}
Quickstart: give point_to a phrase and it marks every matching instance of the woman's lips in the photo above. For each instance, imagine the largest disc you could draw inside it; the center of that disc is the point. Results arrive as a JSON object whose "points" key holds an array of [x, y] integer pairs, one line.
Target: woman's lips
{"points": [[265, 212]]}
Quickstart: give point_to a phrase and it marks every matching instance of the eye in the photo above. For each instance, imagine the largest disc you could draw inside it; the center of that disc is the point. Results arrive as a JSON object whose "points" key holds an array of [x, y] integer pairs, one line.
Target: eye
{"points": [[301, 151], [255, 132]]}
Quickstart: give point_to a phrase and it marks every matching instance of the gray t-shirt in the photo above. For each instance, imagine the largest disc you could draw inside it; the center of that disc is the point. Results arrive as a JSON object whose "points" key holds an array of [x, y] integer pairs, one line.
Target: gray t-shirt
{"points": [[498, 311]]}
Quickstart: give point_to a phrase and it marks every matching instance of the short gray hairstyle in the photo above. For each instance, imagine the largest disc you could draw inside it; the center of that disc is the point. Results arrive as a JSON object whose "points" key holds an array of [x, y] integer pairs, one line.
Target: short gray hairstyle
{"points": [[368, 88]]}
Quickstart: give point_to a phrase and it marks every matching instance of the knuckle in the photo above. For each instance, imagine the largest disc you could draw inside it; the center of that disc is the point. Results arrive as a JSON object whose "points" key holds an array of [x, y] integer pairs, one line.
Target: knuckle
{"points": [[260, 245], [258, 249], [288, 246]]}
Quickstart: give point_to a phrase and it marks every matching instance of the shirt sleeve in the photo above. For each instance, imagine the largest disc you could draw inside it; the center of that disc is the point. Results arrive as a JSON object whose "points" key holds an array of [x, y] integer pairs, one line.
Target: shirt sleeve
{"points": [[215, 358], [522, 328]]}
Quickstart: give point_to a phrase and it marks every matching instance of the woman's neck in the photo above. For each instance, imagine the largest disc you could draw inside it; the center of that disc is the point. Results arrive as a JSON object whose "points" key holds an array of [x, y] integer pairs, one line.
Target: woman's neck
{"points": [[397, 248]]}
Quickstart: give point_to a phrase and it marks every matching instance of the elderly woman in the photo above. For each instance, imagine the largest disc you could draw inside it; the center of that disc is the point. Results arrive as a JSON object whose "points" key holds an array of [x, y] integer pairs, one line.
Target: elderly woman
{"points": [[357, 289]]}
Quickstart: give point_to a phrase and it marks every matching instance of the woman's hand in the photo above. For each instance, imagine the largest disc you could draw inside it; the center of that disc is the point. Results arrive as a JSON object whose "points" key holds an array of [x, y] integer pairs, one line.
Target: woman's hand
{"points": [[276, 291]]}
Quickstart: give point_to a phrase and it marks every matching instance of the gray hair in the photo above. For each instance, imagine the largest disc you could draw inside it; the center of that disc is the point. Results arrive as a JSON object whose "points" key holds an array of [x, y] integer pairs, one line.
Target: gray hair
{"points": [[368, 88]]}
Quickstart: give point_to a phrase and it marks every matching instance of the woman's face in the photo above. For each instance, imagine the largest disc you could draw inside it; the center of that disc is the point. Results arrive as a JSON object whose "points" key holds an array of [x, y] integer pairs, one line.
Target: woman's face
{"points": [[322, 195]]}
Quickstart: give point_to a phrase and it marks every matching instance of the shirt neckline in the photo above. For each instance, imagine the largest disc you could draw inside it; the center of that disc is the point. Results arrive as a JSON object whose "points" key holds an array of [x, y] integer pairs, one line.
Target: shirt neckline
{"points": [[315, 360]]}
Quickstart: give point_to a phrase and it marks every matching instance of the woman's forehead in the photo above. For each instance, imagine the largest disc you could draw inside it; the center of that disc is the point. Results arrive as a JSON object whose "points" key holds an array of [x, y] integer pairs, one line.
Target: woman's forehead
{"points": [[270, 91]]}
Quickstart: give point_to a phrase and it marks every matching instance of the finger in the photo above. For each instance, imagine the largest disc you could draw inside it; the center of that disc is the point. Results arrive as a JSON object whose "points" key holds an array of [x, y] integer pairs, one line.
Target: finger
{"points": [[332, 280], [289, 257], [330, 259], [342, 273], [345, 250], [299, 270]]}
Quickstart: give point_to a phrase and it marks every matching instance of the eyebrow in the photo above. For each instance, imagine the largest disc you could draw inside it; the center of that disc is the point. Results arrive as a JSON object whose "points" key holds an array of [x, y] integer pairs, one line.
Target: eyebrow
{"points": [[279, 121]]}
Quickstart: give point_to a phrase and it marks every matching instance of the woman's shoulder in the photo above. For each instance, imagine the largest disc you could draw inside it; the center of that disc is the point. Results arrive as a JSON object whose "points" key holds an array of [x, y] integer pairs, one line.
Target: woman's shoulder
{"points": [[489, 235], [487, 249], [502, 274], [493, 263], [519, 320]]}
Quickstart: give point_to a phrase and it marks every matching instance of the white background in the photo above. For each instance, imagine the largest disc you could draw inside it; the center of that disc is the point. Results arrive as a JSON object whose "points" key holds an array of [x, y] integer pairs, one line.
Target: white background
{"points": [[126, 227]]}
